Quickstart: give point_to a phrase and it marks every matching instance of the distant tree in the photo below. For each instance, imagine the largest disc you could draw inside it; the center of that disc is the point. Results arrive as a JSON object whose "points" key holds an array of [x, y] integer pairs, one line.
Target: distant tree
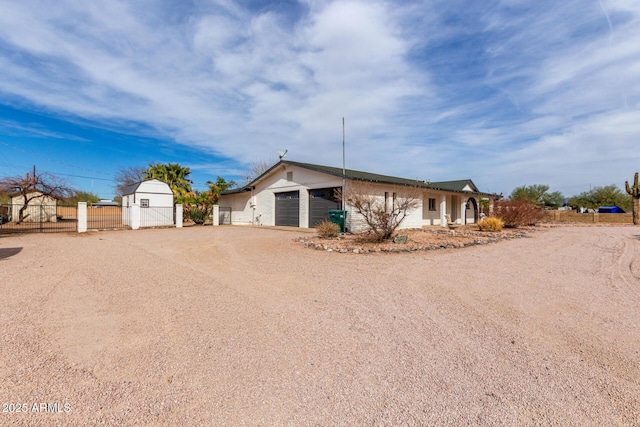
{"points": [[81, 196], [257, 168], [32, 187], [173, 174], [128, 176], [538, 194], [608, 195]]}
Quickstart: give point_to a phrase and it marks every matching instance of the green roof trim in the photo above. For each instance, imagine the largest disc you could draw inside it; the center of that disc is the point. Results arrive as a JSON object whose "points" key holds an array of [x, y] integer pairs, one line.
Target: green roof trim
{"points": [[457, 186]]}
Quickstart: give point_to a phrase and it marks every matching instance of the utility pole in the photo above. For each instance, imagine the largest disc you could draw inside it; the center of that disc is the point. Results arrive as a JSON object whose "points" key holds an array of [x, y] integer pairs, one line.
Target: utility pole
{"points": [[344, 171]]}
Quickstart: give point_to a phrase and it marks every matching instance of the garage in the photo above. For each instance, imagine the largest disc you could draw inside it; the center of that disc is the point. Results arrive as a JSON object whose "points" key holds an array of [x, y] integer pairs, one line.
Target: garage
{"points": [[288, 209], [321, 201]]}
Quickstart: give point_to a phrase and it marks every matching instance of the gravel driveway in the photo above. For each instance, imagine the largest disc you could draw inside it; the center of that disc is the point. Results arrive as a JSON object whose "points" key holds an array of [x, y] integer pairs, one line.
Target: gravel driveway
{"points": [[244, 326]]}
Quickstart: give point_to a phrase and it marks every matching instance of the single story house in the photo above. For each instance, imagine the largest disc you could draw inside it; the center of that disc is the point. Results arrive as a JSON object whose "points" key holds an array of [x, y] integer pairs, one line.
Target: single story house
{"points": [[301, 194], [155, 200], [40, 208]]}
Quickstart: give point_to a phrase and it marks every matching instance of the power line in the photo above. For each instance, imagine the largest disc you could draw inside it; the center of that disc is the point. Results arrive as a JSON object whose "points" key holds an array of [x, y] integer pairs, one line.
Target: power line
{"points": [[53, 160]]}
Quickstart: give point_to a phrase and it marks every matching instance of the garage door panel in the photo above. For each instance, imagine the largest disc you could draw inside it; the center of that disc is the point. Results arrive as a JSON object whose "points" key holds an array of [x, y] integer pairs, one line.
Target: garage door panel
{"points": [[321, 201], [288, 209]]}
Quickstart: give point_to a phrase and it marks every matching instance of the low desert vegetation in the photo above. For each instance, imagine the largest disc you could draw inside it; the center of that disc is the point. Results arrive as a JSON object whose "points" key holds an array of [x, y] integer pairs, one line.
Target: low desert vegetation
{"points": [[197, 216], [328, 230], [382, 214], [517, 213], [490, 224]]}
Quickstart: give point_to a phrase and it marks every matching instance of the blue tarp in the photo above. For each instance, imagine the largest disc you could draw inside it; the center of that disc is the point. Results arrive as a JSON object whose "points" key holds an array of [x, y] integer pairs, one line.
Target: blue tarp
{"points": [[610, 209]]}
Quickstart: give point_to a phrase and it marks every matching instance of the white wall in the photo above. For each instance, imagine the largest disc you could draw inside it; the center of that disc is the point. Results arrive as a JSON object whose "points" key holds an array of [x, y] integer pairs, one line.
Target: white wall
{"points": [[431, 217], [355, 222], [240, 204], [263, 196]]}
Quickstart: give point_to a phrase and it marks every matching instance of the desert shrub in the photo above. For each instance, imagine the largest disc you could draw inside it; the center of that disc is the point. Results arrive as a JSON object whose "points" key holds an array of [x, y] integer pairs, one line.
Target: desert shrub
{"points": [[517, 213], [490, 224], [381, 216], [327, 229], [197, 215]]}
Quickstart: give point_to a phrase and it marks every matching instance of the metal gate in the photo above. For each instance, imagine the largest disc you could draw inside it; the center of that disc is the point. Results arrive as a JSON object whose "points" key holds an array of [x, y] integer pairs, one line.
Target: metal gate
{"points": [[38, 218], [107, 218], [224, 216]]}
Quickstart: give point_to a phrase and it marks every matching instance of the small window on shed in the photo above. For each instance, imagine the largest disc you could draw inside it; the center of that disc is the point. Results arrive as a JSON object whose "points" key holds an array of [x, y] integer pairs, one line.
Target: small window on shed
{"points": [[432, 204], [144, 203], [289, 176]]}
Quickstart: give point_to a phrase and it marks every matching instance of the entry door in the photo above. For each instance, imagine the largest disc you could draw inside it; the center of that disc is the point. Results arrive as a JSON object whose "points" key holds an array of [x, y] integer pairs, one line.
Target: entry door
{"points": [[288, 209]]}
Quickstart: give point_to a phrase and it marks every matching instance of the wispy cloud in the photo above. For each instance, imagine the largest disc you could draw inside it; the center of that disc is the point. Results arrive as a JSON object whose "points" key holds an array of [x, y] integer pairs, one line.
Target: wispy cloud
{"points": [[505, 92]]}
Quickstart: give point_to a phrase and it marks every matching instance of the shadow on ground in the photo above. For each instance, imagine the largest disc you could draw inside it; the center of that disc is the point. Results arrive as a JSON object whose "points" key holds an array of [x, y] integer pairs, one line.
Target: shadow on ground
{"points": [[8, 252]]}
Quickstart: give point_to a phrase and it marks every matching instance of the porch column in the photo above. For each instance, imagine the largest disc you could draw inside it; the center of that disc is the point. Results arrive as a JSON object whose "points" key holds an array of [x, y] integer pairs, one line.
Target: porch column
{"points": [[463, 212], [443, 210]]}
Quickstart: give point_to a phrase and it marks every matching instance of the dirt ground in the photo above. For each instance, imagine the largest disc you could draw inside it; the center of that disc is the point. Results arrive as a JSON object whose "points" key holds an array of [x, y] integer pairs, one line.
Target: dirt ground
{"points": [[207, 326]]}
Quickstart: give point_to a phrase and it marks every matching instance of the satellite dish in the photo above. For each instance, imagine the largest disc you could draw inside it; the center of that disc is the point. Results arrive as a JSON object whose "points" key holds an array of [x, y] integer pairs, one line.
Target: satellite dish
{"points": [[282, 154]]}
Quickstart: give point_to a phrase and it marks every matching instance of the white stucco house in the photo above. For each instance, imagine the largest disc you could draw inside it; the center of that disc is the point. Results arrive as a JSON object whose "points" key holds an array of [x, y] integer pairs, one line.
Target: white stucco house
{"points": [[301, 194], [40, 208], [155, 200]]}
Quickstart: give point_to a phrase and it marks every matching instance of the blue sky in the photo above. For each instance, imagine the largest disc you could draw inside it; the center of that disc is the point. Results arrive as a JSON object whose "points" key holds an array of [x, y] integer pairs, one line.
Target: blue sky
{"points": [[506, 93]]}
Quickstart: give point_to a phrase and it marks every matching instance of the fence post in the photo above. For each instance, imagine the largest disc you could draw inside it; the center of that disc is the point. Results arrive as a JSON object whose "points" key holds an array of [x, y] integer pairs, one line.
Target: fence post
{"points": [[179, 211], [216, 215], [82, 217], [135, 216]]}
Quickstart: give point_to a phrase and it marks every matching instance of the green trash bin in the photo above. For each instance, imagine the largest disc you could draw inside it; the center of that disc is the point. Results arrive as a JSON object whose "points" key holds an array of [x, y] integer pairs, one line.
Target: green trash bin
{"points": [[339, 217]]}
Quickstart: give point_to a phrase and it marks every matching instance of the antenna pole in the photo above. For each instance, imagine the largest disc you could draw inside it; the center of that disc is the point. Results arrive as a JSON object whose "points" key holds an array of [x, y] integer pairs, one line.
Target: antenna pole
{"points": [[344, 171]]}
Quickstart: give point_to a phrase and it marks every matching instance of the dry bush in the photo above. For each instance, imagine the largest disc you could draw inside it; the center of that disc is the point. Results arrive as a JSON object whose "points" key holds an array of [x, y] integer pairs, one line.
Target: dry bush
{"points": [[490, 224], [517, 213], [328, 229], [382, 219]]}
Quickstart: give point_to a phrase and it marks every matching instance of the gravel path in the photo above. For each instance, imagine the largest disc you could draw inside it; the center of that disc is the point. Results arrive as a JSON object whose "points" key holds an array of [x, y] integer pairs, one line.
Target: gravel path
{"points": [[244, 326]]}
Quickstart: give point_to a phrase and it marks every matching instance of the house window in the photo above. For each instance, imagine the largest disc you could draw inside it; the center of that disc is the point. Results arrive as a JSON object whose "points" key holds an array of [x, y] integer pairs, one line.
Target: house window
{"points": [[432, 204], [289, 176], [144, 203]]}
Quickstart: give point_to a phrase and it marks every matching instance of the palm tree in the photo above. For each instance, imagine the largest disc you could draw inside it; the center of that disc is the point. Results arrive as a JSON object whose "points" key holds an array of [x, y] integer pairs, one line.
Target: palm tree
{"points": [[173, 174]]}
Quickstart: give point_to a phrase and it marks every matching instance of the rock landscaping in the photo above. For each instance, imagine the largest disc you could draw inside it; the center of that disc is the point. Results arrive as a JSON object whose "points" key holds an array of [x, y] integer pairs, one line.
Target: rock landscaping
{"points": [[426, 239]]}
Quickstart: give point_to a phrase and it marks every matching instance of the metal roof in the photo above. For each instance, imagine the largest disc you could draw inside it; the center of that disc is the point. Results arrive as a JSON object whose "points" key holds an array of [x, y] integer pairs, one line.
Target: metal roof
{"points": [[457, 186]]}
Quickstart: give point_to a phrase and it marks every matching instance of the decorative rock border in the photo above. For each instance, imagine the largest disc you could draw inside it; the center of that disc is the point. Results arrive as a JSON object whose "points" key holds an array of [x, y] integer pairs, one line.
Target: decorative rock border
{"points": [[492, 238]]}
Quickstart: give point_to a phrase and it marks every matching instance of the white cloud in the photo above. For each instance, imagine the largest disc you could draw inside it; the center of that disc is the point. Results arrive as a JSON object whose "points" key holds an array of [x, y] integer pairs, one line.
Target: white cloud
{"points": [[506, 93]]}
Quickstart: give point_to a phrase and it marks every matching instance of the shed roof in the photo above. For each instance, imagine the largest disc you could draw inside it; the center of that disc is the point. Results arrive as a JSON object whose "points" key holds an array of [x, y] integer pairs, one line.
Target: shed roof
{"points": [[134, 187]]}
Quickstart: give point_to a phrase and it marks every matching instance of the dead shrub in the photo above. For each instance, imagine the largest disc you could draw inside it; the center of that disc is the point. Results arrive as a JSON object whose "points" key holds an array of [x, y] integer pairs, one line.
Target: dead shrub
{"points": [[328, 229], [490, 224], [382, 214], [517, 213]]}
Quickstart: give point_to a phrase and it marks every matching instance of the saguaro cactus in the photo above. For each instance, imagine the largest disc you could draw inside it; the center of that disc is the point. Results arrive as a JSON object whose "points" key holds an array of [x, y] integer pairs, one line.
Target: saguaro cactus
{"points": [[635, 198]]}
